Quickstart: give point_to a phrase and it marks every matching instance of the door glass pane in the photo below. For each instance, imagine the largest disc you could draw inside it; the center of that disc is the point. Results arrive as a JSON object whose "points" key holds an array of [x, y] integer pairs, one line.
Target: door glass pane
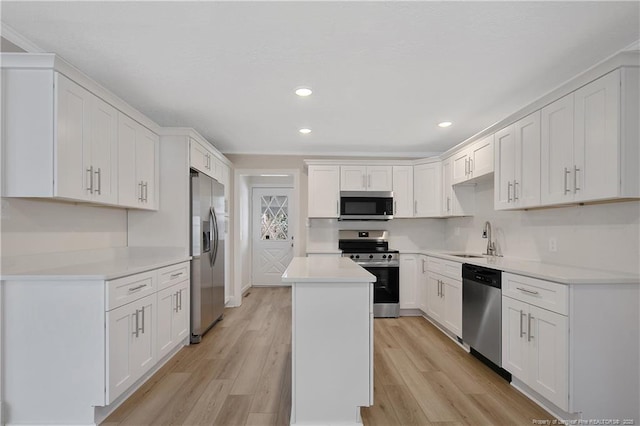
{"points": [[274, 223]]}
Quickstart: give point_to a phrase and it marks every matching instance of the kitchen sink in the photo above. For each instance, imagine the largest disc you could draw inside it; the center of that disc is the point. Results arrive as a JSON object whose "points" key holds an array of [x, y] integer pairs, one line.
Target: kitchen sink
{"points": [[465, 255]]}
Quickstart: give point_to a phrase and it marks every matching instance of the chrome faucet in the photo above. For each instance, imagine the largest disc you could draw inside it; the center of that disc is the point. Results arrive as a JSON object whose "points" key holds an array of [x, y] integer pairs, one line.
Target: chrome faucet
{"points": [[486, 233]]}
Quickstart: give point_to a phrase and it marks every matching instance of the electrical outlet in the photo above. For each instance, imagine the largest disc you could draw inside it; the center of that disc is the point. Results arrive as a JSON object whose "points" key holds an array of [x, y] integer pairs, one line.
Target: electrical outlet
{"points": [[553, 244]]}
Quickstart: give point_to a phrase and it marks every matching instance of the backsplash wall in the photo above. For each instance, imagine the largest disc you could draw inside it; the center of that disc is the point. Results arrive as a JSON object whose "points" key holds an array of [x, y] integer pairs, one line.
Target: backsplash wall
{"points": [[31, 226], [600, 236]]}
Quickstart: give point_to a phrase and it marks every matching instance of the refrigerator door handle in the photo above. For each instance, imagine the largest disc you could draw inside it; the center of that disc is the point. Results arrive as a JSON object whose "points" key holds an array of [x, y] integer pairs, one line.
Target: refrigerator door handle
{"points": [[214, 223]]}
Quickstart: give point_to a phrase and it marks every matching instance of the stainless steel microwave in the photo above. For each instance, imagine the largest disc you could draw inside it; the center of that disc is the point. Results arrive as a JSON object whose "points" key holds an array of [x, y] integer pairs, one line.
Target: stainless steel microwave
{"points": [[366, 205]]}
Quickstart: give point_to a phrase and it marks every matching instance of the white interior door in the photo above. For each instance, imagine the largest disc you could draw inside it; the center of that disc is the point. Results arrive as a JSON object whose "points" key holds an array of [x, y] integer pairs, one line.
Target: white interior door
{"points": [[272, 239]]}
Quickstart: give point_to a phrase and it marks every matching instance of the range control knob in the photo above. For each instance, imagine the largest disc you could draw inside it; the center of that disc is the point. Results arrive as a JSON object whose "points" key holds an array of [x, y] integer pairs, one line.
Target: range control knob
{"points": [[357, 256], [384, 256], [351, 256], [370, 256], [389, 257]]}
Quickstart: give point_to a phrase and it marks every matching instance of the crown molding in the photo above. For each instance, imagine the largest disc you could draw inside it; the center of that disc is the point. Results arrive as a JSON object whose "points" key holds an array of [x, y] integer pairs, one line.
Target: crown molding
{"points": [[18, 39]]}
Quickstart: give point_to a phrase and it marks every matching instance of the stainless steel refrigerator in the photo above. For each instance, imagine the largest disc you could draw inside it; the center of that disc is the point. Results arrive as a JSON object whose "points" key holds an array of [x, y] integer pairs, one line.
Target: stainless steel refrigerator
{"points": [[207, 251]]}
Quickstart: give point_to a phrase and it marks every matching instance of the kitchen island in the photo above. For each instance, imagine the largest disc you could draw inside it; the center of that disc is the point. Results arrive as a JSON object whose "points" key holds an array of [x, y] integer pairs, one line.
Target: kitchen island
{"points": [[331, 340]]}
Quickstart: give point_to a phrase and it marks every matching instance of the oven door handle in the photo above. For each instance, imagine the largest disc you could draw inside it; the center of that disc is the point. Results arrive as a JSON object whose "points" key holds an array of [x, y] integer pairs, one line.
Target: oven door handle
{"points": [[377, 264]]}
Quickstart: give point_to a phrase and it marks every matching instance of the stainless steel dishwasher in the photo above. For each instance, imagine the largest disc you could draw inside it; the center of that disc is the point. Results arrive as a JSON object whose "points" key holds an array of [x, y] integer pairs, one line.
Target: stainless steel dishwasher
{"points": [[482, 311]]}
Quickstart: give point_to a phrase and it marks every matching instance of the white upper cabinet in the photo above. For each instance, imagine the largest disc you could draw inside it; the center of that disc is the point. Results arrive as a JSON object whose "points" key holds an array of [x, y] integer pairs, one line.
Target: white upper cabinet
{"points": [[427, 190], [402, 191], [324, 191], [458, 200], [517, 161], [137, 160], [474, 161], [366, 178], [61, 138], [86, 145], [590, 142]]}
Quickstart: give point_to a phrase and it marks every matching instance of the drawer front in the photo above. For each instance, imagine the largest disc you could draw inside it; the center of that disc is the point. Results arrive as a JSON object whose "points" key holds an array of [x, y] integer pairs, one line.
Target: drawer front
{"points": [[448, 268], [173, 274], [127, 289], [544, 294]]}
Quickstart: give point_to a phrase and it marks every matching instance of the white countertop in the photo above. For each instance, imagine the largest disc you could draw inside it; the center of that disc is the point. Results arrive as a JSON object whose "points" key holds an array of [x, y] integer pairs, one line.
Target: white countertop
{"points": [[325, 270], [546, 271], [91, 264]]}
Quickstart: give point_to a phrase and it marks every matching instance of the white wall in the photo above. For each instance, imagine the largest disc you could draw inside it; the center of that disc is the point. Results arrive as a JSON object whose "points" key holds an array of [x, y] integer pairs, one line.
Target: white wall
{"points": [[31, 226], [601, 236]]}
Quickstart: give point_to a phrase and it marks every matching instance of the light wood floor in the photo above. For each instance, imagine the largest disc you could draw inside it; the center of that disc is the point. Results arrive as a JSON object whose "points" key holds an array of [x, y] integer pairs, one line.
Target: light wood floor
{"points": [[241, 375]]}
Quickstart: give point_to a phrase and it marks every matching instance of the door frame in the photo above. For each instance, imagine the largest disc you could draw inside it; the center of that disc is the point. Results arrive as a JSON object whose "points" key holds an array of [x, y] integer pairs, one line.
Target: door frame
{"points": [[295, 204]]}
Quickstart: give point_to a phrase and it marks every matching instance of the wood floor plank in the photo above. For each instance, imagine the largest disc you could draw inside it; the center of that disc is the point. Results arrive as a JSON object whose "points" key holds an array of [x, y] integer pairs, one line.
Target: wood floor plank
{"points": [[405, 406], [208, 406], [261, 419], [381, 413], [272, 380], [251, 370], [153, 401], [235, 411]]}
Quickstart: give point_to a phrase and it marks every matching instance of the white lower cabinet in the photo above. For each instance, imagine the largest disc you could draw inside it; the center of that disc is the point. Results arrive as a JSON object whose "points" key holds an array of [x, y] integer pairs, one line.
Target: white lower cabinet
{"points": [[173, 321], [423, 288], [131, 343], [444, 293], [535, 349], [408, 281]]}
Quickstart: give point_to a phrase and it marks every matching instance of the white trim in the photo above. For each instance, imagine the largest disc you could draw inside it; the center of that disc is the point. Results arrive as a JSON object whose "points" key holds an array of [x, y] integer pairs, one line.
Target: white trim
{"points": [[18, 39], [358, 154], [193, 133], [347, 161], [633, 46], [295, 202]]}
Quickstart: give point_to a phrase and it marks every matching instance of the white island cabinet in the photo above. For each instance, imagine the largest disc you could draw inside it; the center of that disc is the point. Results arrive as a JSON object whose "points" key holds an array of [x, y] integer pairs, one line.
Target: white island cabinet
{"points": [[331, 341]]}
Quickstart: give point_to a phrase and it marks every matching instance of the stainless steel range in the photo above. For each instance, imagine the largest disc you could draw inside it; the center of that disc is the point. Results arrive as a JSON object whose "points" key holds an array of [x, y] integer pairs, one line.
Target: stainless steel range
{"points": [[370, 249]]}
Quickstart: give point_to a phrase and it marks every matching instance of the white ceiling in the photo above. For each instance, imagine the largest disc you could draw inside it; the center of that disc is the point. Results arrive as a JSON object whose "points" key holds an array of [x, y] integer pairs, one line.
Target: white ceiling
{"points": [[383, 73]]}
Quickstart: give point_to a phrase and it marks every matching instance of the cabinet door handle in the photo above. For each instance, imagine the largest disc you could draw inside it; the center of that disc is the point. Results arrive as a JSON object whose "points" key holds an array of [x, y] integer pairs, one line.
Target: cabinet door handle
{"points": [[395, 207], [423, 262], [177, 308], [515, 190], [575, 179], [509, 184], [466, 167], [527, 290], [364, 181], [140, 187], [369, 184], [522, 333], [442, 289], [438, 288], [415, 207], [90, 187], [337, 207], [146, 192], [137, 328], [180, 298], [98, 173], [529, 318], [566, 172], [470, 166], [448, 204], [142, 320]]}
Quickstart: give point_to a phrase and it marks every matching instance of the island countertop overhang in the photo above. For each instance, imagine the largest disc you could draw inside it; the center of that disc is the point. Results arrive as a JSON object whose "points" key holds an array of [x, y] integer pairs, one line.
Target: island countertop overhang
{"points": [[325, 270]]}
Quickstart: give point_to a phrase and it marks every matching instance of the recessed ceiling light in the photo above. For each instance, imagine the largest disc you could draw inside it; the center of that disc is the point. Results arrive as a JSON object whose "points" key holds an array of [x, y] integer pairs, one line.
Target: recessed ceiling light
{"points": [[305, 131], [303, 91], [445, 124]]}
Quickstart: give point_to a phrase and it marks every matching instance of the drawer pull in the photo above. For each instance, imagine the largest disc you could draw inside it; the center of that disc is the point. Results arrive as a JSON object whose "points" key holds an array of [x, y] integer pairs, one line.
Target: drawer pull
{"points": [[175, 275], [138, 287], [527, 291]]}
